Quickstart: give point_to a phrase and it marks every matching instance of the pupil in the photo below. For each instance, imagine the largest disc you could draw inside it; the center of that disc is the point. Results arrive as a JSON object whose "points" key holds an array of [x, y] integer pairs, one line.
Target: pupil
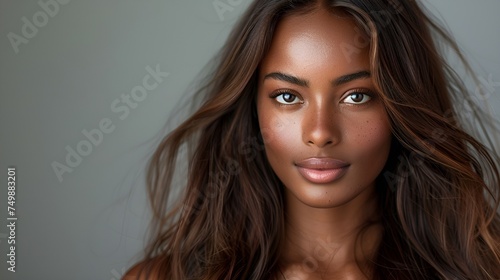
{"points": [[288, 97], [357, 97]]}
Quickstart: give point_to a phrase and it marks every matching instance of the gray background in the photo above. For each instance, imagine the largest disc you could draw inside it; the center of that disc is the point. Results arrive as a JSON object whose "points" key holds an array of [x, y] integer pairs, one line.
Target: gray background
{"points": [[63, 80]]}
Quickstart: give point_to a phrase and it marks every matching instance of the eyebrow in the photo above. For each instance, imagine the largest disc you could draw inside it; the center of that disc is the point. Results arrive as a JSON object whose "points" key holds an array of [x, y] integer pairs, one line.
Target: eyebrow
{"points": [[287, 78], [305, 83], [351, 77]]}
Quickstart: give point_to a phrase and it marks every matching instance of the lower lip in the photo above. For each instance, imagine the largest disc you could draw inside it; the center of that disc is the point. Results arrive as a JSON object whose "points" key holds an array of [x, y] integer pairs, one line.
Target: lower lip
{"points": [[322, 176]]}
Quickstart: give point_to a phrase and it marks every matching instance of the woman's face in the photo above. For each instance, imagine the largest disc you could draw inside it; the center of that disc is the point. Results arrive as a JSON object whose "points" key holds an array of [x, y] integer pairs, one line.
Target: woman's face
{"points": [[326, 132]]}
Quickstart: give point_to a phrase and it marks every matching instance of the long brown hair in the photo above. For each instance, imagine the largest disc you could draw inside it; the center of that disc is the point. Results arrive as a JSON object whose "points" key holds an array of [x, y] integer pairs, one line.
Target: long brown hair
{"points": [[439, 192]]}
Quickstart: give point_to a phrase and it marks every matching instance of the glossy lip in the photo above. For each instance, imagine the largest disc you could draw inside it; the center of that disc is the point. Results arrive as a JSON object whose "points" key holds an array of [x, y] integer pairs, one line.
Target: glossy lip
{"points": [[322, 170]]}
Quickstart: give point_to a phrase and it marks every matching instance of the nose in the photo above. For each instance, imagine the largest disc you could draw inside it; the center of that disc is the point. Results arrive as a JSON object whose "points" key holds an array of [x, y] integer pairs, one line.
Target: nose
{"points": [[320, 127]]}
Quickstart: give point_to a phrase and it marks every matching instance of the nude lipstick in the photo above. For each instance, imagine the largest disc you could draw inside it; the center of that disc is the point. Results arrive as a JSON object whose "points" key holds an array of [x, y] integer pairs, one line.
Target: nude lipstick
{"points": [[322, 170]]}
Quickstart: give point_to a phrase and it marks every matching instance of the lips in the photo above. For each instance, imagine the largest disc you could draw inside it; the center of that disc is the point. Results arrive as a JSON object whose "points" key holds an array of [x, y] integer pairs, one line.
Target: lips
{"points": [[322, 170]]}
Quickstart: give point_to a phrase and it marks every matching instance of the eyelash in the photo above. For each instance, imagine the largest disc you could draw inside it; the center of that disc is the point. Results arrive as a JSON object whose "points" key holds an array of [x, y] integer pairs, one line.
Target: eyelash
{"points": [[365, 92], [281, 92]]}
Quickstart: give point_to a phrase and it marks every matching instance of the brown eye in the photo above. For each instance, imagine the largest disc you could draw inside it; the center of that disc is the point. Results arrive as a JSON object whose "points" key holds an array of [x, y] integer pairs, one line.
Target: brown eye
{"points": [[357, 98], [287, 98]]}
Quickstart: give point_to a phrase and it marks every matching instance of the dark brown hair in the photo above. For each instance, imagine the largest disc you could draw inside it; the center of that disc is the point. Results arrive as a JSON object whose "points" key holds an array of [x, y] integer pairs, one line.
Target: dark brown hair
{"points": [[439, 192]]}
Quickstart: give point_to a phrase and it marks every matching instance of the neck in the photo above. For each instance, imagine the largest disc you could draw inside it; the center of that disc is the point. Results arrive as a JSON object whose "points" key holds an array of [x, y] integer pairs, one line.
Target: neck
{"points": [[331, 241]]}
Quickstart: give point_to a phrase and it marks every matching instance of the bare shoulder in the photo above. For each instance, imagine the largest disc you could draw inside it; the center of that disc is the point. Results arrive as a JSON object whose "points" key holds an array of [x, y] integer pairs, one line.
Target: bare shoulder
{"points": [[135, 271]]}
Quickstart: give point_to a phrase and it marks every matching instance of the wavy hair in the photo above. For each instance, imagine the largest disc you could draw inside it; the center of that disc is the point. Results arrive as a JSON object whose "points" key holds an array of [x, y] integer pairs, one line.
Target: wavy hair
{"points": [[439, 192]]}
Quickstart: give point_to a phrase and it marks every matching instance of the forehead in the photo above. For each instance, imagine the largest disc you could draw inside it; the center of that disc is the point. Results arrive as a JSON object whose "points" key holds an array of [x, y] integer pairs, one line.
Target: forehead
{"points": [[320, 38]]}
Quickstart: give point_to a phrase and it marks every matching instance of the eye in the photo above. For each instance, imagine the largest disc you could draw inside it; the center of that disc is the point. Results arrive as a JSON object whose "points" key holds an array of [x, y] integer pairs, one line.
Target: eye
{"points": [[357, 97], [286, 97]]}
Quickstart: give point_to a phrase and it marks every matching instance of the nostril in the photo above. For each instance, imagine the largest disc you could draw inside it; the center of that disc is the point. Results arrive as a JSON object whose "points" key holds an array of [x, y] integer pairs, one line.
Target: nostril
{"points": [[326, 143]]}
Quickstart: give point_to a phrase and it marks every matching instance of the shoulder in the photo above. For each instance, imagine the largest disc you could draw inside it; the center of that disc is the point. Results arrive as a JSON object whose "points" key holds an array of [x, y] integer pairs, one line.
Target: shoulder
{"points": [[141, 269]]}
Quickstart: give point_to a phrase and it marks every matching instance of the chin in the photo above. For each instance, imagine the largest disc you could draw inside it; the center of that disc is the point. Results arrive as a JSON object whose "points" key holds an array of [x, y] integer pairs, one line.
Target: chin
{"points": [[327, 196]]}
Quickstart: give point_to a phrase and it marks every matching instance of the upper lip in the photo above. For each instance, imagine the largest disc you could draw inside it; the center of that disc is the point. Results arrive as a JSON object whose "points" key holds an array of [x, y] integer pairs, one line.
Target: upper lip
{"points": [[321, 163]]}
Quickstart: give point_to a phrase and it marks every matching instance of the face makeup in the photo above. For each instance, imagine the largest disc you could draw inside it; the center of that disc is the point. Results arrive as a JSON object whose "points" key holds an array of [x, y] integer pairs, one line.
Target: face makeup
{"points": [[327, 134]]}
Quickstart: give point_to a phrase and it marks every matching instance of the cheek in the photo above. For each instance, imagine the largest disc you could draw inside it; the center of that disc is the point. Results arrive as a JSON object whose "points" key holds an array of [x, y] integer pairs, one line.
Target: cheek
{"points": [[371, 140], [273, 130], [281, 135]]}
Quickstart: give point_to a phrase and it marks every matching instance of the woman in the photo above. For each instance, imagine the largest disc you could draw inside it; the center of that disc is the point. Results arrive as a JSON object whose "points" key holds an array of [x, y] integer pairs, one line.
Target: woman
{"points": [[327, 147]]}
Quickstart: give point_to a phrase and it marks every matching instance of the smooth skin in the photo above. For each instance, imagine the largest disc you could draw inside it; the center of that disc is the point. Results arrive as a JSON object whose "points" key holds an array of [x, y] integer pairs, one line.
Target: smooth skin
{"points": [[316, 99]]}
